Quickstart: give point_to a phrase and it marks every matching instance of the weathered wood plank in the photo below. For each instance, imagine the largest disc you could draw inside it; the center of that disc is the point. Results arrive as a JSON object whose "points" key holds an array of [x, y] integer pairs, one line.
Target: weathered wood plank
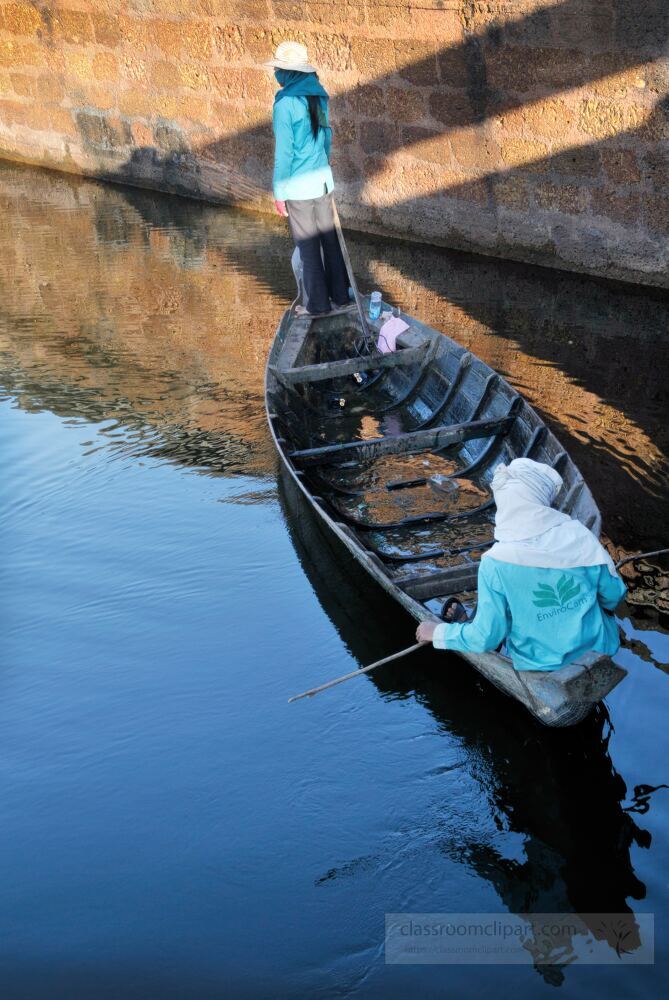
{"points": [[430, 439], [337, 369], [414, 520], [448, 581], [295, 337], [464, 365]]}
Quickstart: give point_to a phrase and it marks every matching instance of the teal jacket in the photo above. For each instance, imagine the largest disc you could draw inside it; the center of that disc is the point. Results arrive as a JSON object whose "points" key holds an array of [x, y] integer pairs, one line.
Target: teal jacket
{"points": [[548, 617], [301, 163]]}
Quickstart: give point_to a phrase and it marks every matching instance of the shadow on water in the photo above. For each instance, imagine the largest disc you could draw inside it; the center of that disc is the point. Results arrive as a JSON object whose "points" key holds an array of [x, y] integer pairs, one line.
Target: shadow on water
{"points": [[557, 789], [169, 306], [589, 355]]}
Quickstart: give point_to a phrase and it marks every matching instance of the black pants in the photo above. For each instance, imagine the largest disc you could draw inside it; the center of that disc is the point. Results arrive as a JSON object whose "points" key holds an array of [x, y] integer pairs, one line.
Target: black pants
{"points": [[313, 229]]}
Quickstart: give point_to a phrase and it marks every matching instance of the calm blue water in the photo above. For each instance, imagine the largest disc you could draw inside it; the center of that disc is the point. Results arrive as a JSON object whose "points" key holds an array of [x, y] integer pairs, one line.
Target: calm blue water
{"points": [[171, 827]]}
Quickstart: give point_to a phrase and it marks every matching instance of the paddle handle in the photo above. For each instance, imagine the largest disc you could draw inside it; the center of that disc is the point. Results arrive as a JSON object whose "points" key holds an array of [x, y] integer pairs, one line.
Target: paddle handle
{"points": [[357, 673]]}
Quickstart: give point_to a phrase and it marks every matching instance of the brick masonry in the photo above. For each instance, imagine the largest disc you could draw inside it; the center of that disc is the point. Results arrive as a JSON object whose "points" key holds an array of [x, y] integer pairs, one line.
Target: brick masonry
{"points": [[530, 129]]}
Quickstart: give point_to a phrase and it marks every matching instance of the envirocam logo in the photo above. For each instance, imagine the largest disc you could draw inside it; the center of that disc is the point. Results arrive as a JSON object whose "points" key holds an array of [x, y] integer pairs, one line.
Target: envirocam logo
{"points": [[546, 596]]}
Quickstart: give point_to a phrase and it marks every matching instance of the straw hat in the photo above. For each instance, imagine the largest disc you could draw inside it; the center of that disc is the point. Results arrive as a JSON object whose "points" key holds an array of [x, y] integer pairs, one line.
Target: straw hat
{"points": [[293, 56]]}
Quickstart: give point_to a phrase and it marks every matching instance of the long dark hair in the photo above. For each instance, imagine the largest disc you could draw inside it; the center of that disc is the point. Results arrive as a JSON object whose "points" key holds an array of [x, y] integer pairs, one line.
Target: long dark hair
{"points": [[294, 83], [314, 114]]}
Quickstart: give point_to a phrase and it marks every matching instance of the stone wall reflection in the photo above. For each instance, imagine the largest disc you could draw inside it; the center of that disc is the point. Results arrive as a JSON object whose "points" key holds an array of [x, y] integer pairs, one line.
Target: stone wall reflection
{"points": [[116, 305], [171, 305]]}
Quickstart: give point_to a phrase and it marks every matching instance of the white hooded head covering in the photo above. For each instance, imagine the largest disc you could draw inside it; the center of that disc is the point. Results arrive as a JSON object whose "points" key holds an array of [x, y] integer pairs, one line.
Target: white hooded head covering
{"points": [[528, 531]]}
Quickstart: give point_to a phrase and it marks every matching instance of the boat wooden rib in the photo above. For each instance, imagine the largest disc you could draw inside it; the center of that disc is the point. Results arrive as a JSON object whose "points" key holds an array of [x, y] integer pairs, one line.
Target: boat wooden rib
{"points": [[396, 453]]}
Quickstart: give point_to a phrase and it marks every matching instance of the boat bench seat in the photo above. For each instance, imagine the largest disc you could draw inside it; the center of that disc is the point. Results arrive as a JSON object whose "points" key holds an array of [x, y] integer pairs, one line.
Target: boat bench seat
{"points": [[349, 366], [430, 439], [454, 580]]}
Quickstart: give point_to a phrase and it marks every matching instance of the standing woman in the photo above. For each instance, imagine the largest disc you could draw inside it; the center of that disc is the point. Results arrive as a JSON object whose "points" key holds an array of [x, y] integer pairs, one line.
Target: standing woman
{"points": [[303, 181]]}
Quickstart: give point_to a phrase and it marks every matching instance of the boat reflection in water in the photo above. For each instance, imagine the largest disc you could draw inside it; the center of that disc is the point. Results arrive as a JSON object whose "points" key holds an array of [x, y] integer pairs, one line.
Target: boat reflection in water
{"points": [[557, 789]]}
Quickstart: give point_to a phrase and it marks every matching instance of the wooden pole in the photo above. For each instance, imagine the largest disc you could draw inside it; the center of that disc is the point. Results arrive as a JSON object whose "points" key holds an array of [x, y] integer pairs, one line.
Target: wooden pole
{"points": [[642, 555], [351, 277], [358, 673]]}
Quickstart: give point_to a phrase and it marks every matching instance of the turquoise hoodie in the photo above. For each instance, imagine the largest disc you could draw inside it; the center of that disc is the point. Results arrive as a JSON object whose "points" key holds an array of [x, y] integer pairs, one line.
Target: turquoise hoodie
{"points": [[301, 163], [548, 617]]}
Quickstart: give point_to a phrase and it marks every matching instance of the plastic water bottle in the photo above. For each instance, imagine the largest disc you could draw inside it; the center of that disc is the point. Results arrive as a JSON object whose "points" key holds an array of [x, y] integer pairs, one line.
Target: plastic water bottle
{"points": [[375, 305]]}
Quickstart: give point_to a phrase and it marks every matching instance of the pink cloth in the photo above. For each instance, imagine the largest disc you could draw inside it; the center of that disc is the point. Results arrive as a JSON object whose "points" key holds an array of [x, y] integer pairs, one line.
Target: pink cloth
{"points": [[389, 333]]}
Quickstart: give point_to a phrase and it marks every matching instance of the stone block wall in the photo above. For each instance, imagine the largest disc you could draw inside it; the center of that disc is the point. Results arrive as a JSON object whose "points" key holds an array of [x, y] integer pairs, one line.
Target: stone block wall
{"points": [[531, 129]]}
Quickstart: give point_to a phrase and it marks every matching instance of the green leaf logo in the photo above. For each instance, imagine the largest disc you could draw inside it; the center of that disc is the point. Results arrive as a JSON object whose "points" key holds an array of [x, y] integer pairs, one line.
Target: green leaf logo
{"points": [[549, 597]]}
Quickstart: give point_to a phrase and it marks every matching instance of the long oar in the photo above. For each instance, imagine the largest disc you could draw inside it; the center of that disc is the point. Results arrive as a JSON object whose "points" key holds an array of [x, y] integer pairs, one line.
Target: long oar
{"points": [[357, 673], [351, 277]]}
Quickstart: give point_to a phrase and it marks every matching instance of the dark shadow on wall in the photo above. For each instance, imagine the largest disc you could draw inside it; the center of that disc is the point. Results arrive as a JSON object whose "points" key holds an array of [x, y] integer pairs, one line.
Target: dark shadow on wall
{"points": [[508, 66], [531, 189]]}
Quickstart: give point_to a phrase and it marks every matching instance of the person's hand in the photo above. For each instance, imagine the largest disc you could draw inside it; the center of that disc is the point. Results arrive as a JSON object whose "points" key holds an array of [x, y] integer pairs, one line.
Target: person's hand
{"points": [[281, 208], [425, 631]]}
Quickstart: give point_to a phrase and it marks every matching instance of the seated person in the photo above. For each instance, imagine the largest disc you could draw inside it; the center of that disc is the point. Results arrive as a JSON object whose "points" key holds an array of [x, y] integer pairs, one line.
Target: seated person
{"points": [[547, 588]]}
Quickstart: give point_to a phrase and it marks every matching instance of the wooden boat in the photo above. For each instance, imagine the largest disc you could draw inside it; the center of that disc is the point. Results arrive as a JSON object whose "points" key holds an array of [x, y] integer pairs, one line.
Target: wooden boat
{"points": [[396, 452]]}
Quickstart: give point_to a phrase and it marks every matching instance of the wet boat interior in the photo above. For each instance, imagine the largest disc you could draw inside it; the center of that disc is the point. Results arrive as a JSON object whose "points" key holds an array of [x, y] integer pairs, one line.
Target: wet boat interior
{"points": [[400, 448]]}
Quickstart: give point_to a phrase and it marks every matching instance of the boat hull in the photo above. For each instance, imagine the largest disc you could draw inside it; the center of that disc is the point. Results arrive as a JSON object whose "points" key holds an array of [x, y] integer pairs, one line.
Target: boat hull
{"points": [[557, 698]]}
